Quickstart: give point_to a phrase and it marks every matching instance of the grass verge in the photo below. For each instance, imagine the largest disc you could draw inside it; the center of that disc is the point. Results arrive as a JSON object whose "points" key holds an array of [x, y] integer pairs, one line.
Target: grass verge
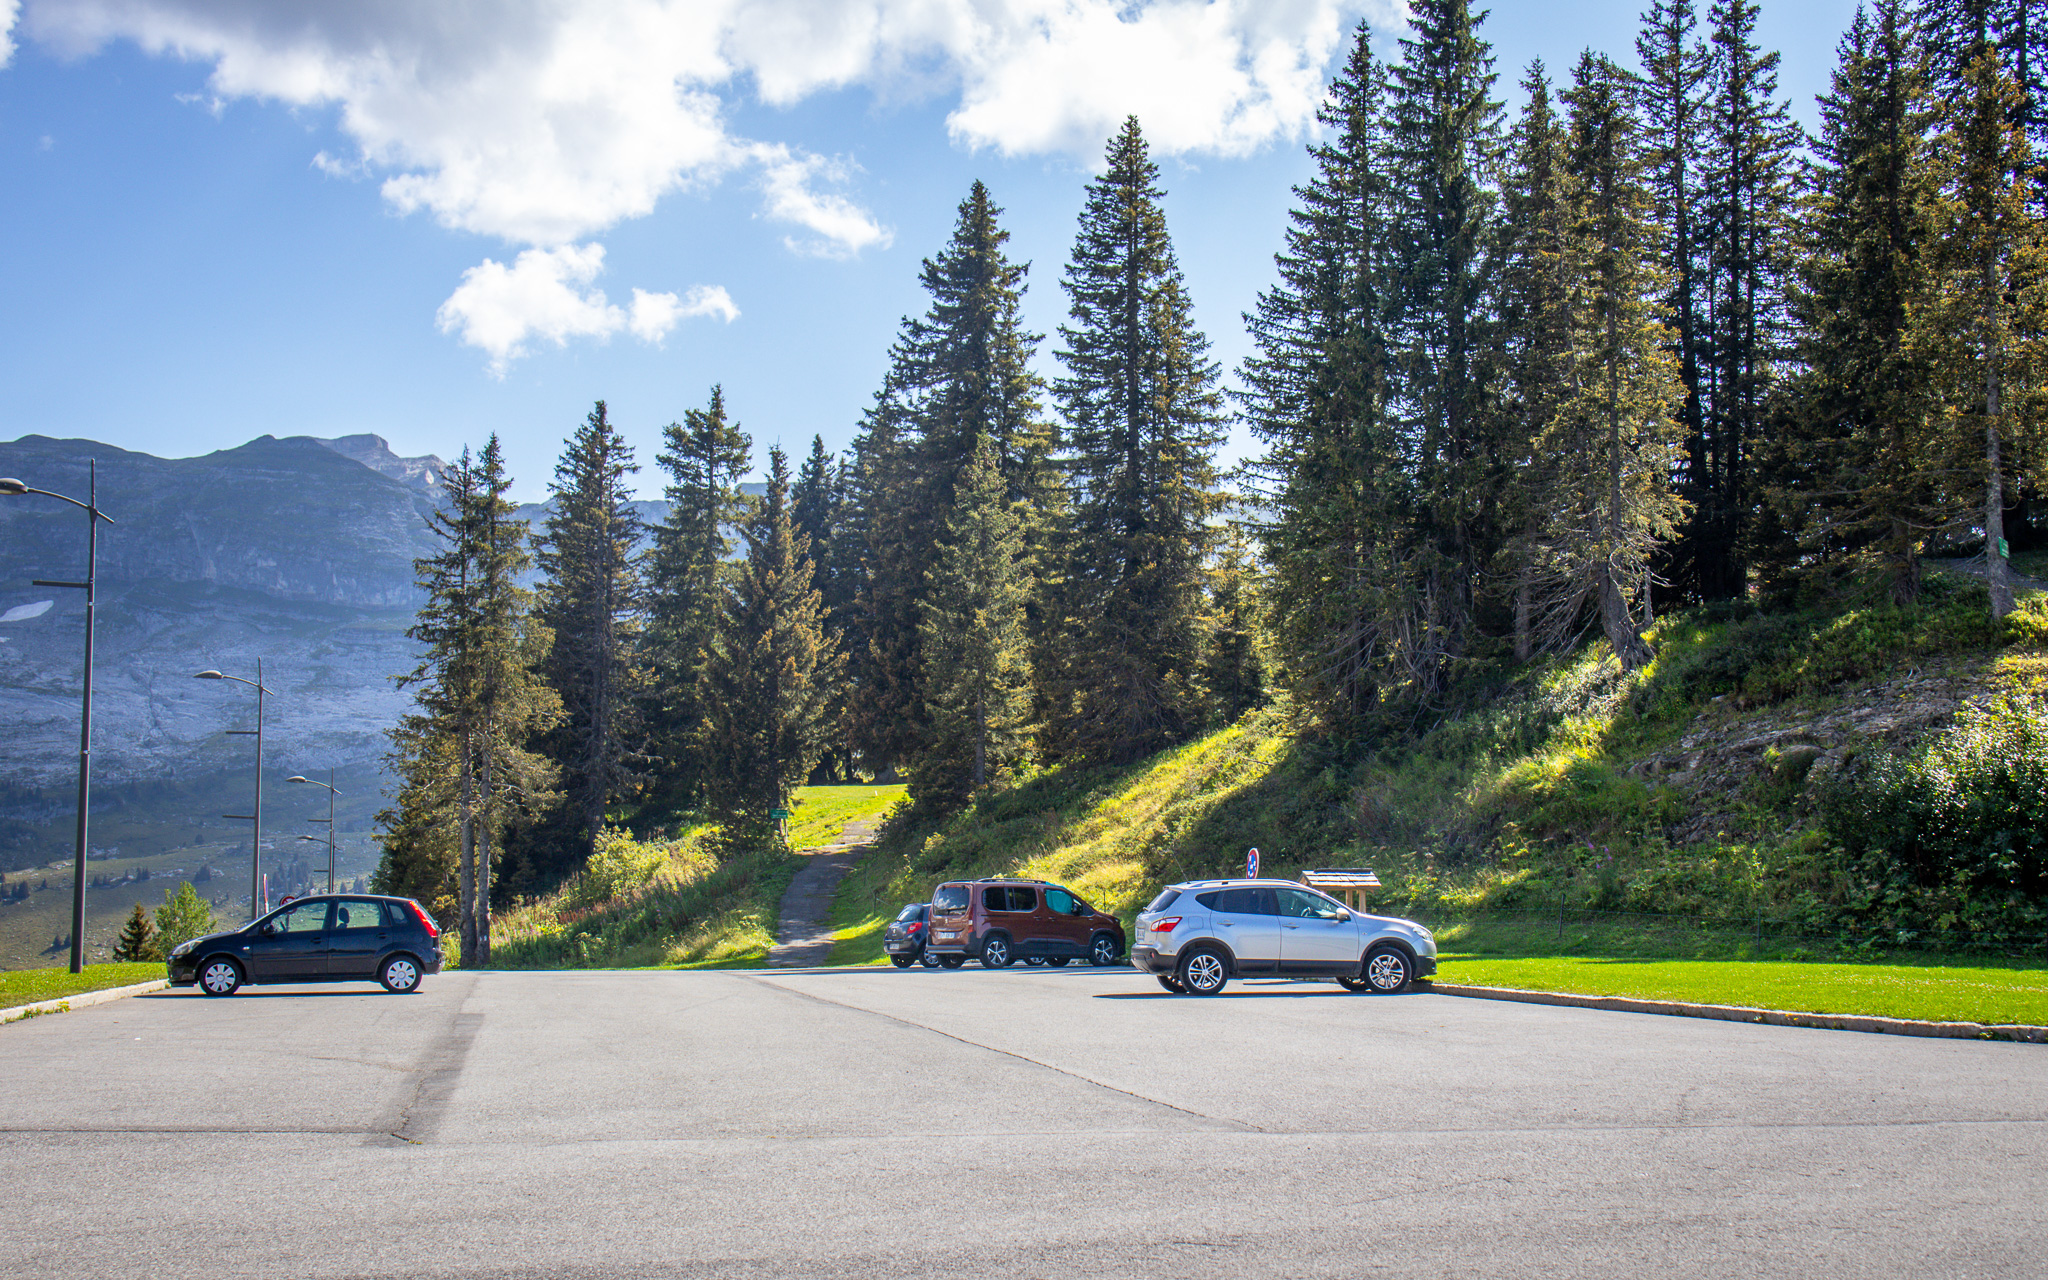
{"points": [[27, 986], [1933, 993], [824, 813]]}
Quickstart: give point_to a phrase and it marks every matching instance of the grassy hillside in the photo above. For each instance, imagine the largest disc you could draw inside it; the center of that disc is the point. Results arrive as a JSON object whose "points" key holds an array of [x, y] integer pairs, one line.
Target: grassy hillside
{"points": [[670, 902], [1706, 791]]}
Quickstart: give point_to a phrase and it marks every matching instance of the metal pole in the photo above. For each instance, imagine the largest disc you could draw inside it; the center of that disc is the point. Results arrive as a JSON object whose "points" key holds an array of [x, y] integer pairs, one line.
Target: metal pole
{"points": [[330, 830], [92, 545], [256, 822]]}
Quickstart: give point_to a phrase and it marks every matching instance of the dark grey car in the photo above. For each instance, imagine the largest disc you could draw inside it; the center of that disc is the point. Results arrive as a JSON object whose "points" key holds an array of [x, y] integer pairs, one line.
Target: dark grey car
{"points": [[329, 938]]}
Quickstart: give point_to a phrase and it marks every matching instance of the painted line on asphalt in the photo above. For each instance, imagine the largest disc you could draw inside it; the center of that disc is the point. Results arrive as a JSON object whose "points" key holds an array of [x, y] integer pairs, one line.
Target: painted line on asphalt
{"points": [[1770, 1017], [64, 1004]]}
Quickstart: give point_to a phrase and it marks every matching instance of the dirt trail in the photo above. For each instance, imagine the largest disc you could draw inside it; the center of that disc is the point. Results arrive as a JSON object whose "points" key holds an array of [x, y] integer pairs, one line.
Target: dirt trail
{"points": [[803, 932]]}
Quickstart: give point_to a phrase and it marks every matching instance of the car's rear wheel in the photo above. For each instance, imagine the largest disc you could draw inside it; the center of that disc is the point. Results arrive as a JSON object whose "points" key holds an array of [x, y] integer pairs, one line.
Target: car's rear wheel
{"points": [[952, 962], [1203, 973], [1102, 949], [1034, 961], [1058, 962], [400, 975], [927, 959], [996, 953], [1171, 983], [901, 962], [220, 976], [1353, 984], [1388, 969]]}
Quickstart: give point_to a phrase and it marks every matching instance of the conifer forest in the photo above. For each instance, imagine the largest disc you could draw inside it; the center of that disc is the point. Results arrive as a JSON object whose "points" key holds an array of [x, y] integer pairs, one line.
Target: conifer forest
{"points": [[1523, 378]]}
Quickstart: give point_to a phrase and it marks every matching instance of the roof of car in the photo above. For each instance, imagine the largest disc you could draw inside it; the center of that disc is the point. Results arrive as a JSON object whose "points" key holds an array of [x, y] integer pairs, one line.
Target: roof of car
{"points": [[1218, 884]]}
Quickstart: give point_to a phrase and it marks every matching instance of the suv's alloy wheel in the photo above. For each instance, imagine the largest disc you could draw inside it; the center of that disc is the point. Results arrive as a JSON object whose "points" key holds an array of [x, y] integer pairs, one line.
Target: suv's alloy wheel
{"points": [[995, 953], [1386, 969], [1103, 950], [1203, 973]]}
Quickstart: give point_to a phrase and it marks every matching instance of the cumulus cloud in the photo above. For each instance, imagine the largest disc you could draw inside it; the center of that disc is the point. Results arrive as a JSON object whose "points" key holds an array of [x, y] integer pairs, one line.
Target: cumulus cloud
{"points": [[543, 122], [9, 11], [544, 294]]}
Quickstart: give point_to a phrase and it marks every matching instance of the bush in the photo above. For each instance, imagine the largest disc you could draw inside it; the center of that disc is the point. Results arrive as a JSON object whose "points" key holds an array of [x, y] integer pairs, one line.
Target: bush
{"points": [[1968, 812], [183, 917], [618, 867]]}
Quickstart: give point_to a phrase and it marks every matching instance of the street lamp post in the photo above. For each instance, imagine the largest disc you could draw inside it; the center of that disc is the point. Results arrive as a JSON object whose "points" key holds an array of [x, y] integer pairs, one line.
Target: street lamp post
{"points": [[16, 488], [256, 818], [329, 820]]}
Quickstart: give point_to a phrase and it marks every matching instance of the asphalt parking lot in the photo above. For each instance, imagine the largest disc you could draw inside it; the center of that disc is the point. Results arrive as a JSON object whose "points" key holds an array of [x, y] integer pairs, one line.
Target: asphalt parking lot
{"points": [[1022, 1123]]}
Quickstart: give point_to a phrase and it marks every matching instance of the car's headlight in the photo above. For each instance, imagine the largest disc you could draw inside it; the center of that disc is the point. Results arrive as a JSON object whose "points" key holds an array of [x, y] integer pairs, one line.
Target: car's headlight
{"points": [[183, 947]]}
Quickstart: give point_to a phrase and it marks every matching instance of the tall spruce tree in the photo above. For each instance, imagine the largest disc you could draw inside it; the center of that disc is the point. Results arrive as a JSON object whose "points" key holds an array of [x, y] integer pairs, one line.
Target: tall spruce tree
{"points": [[1748, 203], [1859, 479], [1677, 80], [461, 755], [1446, 143], [972, 632], [1234, 666], [768, 681], [704, 457], [1609, 501], [1986, 336], [1333, 492], [885, 712], [1144, 420], [816, 509], [593, 600]]}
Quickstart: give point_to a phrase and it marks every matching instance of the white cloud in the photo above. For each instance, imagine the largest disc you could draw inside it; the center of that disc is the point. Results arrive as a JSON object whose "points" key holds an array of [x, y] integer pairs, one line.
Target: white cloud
{"points": [[842, 227], [9, 11], [544, 295]]}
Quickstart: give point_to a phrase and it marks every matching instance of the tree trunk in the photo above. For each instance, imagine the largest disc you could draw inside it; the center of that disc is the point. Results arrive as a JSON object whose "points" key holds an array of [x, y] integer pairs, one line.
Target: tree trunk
{"points": [[1994, 465], [1524, 645], [465, 907]]}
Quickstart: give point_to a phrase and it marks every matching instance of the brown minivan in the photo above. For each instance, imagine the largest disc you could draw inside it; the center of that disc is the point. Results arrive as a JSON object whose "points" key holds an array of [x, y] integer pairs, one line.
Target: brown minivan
{"points": [[999, 922]]}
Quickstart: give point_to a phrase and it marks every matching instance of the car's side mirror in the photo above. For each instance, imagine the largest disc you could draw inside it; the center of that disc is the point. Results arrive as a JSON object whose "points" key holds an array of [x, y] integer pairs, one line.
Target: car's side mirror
{"points": [[1342, 914], [269, 928]]}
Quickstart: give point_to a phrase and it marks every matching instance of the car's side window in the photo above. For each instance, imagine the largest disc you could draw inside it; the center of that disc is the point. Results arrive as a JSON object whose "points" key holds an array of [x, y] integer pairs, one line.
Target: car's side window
{"points": [[1305, 906], [397, 917], [1060, 902], [303, 917], [358, 913]]}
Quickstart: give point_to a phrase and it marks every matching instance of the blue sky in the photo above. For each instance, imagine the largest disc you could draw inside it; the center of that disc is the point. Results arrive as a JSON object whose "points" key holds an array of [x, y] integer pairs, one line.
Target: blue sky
{"points": [[227, 218]]}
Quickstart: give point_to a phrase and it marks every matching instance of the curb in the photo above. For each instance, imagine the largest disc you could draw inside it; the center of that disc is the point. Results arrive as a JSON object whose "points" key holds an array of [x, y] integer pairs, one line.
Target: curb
{"points": [[1770, 1017], [64, 1004]]}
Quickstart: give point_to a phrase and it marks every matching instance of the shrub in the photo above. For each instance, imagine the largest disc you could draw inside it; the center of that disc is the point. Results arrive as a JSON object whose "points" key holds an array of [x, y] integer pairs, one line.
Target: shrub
{"points": [[183, 917], [1969, 811], [617, 867]]}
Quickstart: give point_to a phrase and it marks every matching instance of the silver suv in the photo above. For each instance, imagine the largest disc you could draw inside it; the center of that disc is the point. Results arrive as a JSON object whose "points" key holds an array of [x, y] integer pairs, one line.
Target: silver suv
{"points": [[1195, 937]]}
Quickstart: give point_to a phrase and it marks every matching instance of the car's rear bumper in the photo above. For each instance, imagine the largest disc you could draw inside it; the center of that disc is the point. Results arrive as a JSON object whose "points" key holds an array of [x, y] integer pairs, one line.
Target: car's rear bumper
{"points": [[1152, 960], [902, 946]]}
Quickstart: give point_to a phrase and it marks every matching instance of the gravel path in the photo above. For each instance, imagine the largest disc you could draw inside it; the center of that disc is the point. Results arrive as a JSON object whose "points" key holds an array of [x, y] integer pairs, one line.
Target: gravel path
{"points": [[803, 932]]}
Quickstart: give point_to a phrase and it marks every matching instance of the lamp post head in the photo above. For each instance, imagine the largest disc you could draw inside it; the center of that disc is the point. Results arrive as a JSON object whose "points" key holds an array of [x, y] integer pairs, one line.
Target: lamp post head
{"points": [[9, 485], [296, 778], [208, 675]]}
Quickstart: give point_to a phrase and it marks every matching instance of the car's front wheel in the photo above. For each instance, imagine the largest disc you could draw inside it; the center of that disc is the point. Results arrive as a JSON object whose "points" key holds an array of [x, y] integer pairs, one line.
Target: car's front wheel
{"points": [[1102, 949], [1058, 962], [901, 962], [220, 976], [1203, 973], [995, 953], [1171, 983], [1388, 969], [952, 962], [927, 959], [400, 975]]}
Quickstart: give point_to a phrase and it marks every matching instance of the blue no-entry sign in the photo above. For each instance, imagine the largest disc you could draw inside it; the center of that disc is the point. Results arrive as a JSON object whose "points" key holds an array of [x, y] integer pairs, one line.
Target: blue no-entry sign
{"points": [[1251, 865]]}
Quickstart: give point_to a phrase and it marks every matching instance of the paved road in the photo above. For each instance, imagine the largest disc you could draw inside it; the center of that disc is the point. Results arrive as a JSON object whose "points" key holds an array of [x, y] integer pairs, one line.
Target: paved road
{"points": [[1021, 1123]]}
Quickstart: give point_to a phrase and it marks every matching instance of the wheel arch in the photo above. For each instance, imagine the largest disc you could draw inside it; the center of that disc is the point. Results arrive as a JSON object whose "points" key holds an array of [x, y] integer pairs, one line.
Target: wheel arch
{"points": [[1391, 942]]}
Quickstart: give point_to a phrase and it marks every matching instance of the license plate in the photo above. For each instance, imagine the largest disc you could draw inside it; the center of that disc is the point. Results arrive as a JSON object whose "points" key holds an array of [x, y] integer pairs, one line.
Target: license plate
{"points": [[949, 936]]}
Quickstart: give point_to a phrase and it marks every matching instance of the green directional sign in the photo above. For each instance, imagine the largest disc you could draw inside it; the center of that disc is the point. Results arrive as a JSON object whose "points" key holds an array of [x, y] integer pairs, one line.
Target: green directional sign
{"points": [[779, 814]]}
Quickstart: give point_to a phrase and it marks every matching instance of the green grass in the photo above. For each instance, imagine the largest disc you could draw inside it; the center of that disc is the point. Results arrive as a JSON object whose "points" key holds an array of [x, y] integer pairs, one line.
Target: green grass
{"points": [[824, 813], [28, 986], [1935, 993]]}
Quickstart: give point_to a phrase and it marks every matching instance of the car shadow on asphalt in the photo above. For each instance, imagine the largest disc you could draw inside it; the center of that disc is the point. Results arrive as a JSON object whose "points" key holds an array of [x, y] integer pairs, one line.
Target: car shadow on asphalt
{"points": [[246, 994]]}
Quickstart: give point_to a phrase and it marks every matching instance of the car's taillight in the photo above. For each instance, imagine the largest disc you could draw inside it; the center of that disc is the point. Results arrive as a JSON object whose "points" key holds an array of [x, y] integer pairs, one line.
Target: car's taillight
{"points": [[426, 921], [1166, 925], [915, 927]]}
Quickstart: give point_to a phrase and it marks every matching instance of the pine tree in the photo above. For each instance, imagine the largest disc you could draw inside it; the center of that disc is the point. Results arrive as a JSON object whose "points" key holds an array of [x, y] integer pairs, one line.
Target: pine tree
{"points": [[1333, 491], [1445, 140], [1986, 332], [1614, 438], [1144, 420], [705, 456], [815, 511], [592, 599], [183, 917], [461, 757], [1234, 668], [1747, 199], [973, 636], [886, 714], [1540, 275], [1674, 98], [768, 682], [1858, 474], [138, 938]]}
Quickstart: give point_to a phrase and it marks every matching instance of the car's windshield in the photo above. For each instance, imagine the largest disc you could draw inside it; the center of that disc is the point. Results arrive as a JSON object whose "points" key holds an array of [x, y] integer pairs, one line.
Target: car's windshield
{"points": [[915, 911]]}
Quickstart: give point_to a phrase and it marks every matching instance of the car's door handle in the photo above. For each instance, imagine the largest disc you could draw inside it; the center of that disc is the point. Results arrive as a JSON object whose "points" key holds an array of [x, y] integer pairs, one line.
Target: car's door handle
{"points": [[1290, 926]]}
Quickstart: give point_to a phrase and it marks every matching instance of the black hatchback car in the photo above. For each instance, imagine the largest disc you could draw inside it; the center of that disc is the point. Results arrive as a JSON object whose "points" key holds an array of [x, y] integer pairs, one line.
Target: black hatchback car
{"points": [[330, 938], [907, 935]]}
